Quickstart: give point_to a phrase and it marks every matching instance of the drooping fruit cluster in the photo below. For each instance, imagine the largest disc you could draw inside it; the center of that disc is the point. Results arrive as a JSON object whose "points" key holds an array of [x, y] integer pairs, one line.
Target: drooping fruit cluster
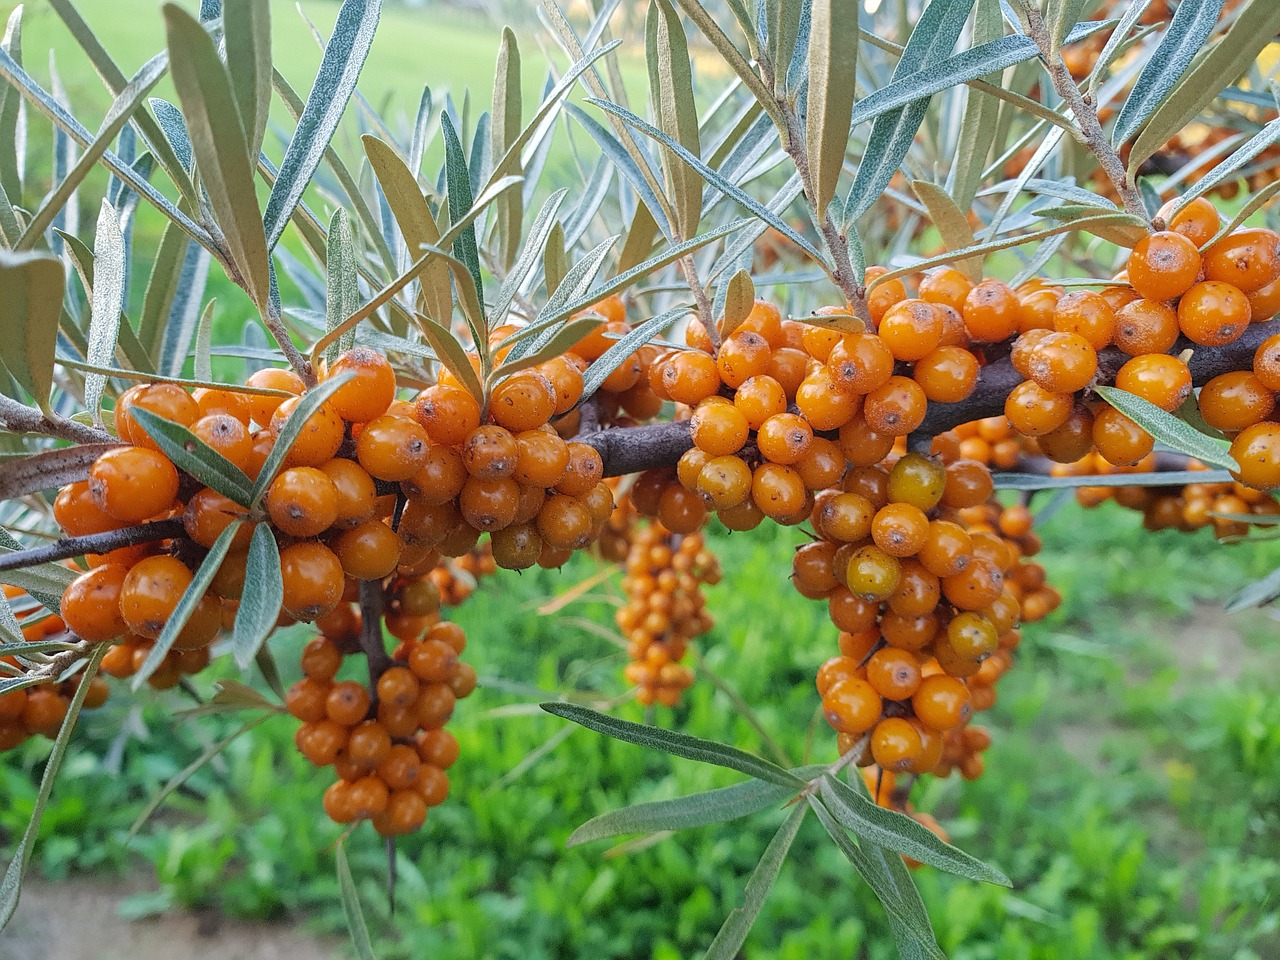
{"points": [[386, 741], [665, 609]]}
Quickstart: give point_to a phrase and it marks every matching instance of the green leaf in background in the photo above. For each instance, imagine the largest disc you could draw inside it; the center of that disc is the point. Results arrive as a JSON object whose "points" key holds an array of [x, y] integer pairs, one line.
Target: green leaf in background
{"points": [[190, 770], [892, 134], [981, 116], [117, 116], [109, 271], [31, 286], [1168, 429], [1230, 168], [898, 832], [246, 24], [311, 401], [739, 299], [218, 142], [675, 743], [193, 456], [460, 202], [260, 607], [1193, 21], [707, 23], [11, 43], [344, 58], [728, 942], [507, 112], [833, 68], [11, 883], [1256, 203], [520, 269], [951, 72], [351, 908], [186, 606], [413, 217], [1255, 27], [342, 288], [671, 101], [952, 224], [683, 813]]}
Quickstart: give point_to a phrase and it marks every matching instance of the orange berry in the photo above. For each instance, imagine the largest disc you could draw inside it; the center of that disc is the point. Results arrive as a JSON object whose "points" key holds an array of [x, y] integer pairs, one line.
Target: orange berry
{"points": [[1086, 314], [851, 705], [369, 551], [895, 674], [947, 374], [911, 329], [896, 408], [449, 414], [1248, 259], [1062, 362], [946, 285], [91, 603], [742, 356], [371, 389], [941, 702], [1033, 410], [302, 501], [1198, 221], [895, 744], [585, 470], [313, 580], [150, 592], [690, 377], [990, 312], [1213, 313], [1157, 378], [1163, 266], [1235, 400], [758, 399], [132, 484], [319, 439], [718, 428], [392, 448], [523, 401], [263, 406], [860, 363], [227, 436], [1257, 450], [784, 438], [1118, 439], [1145, 326]]}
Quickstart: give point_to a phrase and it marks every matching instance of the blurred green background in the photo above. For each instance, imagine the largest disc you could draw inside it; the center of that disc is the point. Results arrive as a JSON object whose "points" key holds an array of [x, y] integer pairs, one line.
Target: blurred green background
{"points": [[1132, 793]]}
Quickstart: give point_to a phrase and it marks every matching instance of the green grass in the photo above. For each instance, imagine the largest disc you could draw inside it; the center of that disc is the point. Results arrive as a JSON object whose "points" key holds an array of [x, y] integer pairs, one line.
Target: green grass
{"points": [[1131, 793]]}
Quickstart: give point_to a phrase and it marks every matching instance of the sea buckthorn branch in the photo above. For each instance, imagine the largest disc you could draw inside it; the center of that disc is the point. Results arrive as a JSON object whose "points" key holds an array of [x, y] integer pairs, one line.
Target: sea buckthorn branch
{"points": [[627, 450], [301, 366], [69, 547], [1085, 112], [371, 642], [19, 418]]}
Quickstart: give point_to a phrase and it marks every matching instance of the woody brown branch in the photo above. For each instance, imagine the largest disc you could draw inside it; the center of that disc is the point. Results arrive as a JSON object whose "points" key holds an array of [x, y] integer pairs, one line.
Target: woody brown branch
{"points": [[69, 547], [635, 449]]}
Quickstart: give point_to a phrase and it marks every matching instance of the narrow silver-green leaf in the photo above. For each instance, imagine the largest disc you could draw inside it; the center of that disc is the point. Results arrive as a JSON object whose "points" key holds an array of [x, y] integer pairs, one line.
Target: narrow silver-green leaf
{"points": [[246, 25], [351, 908], [675, 743], [555, 260], [218, 143], [452, 354], [624, 347], [1256, 594], [1256, 203], [833, 69], [202, 354], [413, 217], [684, 813], [977, 135], [951, 222], [706, 22], [460, 201], [344, 58], [11, 883], [10, 103], [519, 270], [109, 271], [1230, 168], [1168, 429], [554, 342], [31, 287], [1061, 16], [1184, 38], [311, 401], [192, 455], [671, 101], [1171, 478], [507, 113], [1255, 27], [342, 288], [117, 116], [186, 605], [737, 925], [259, 607], [898, 832]]}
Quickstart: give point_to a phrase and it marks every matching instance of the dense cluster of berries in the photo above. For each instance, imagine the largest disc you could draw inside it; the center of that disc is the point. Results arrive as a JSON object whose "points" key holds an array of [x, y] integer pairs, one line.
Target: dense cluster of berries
{"points": [[386, 742], [39, 710], [665, 609]]}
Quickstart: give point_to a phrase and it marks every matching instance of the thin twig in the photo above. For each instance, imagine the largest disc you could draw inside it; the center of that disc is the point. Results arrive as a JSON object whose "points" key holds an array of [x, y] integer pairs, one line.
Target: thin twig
{"points": [[371, 605], [703, 302], [301, 366], [19, 418], [1085, 112], [93, 543]]}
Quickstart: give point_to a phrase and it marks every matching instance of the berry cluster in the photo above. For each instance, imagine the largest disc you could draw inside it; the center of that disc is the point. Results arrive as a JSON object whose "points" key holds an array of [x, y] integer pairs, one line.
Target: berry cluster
{"points": [[386, 742], [665, 609]]}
